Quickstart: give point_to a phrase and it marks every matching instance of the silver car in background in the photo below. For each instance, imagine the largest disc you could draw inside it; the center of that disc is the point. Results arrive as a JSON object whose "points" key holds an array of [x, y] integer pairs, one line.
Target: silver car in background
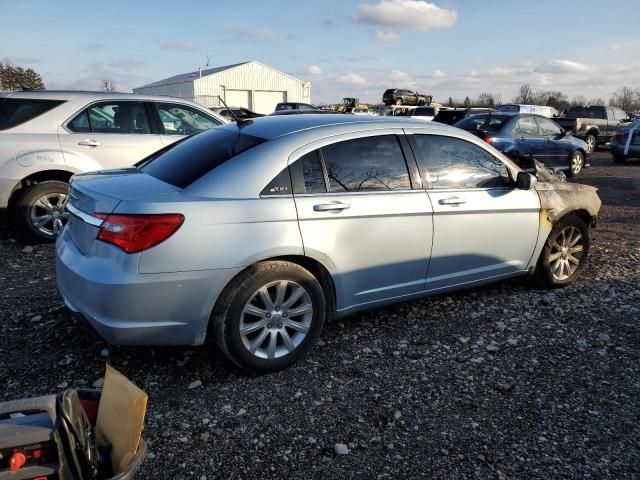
{"points": [[47, 136], [255, 233]]}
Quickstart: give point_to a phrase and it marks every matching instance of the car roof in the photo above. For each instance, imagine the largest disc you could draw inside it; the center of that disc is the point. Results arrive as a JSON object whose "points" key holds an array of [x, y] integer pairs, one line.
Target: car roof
{"points": [[271, 127]]}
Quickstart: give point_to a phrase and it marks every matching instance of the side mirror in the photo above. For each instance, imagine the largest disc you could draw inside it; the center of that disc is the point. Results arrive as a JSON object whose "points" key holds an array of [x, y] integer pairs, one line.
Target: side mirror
{"points": [[567, 133], [525, 181]]}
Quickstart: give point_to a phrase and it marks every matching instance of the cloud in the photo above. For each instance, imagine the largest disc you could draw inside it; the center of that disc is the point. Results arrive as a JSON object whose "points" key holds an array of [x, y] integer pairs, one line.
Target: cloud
{"points": [[438, 74], [179, 46], [416, 14], [239, 33], [352, 79], [384, 36], [311, 70], [562, 66]]}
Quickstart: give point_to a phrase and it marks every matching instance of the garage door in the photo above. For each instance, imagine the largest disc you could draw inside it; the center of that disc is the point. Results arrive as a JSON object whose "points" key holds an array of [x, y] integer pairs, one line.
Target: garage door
{"points": [[265, 102], [238, 98]]}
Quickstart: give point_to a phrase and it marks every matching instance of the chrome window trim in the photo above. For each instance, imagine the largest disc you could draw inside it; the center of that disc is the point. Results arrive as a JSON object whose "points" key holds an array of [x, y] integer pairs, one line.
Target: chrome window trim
{"points": [[85, 217]]}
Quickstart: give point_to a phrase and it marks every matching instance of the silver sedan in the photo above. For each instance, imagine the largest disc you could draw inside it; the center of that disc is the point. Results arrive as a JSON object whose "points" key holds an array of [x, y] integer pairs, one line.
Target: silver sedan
{"points": [[256, 233]]}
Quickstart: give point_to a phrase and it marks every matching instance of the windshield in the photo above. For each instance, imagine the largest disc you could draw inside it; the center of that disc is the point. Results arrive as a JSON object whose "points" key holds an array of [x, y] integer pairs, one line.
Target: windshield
{"points": [[486, 123], [425, 112], [184, 162]]}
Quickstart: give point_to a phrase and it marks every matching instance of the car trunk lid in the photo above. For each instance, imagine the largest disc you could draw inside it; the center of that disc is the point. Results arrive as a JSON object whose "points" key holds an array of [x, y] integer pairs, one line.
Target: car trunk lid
{"points": [[102, 192]]}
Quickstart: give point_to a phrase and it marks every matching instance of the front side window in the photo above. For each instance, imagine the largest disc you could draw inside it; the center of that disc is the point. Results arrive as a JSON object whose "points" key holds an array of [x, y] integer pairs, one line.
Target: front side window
{"points": [[366, 164], [527, 126], [183, 120], [548, 128], [112, 117], [16, 111], [449, 162]]}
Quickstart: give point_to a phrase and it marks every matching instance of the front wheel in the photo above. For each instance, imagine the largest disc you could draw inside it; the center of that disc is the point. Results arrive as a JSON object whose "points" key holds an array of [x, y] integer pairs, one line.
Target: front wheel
{"points": [[564, 254], [270, 316], [576, 163], [42, 210]]}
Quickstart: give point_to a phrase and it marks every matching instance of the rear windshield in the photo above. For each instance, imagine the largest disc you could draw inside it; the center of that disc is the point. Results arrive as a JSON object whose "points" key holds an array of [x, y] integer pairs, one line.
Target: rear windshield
{"points": [[586, 112], [185, 162], [484, 122], [390, 91], [448, 116], [16, 111]]}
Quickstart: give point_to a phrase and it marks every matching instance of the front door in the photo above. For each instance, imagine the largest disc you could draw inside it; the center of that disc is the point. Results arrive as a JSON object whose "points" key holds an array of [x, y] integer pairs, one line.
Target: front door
{"points": [[529, 143], [359, 215], [483, 227], [108, 134], [559, 146]]}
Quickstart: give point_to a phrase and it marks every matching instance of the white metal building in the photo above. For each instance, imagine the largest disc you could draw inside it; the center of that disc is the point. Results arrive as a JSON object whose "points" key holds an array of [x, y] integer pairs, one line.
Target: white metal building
{"points": [[251, 85]]}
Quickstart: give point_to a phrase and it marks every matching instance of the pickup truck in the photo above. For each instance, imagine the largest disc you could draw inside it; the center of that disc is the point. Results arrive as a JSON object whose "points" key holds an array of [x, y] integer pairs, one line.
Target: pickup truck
{"points": [[595, 124]]}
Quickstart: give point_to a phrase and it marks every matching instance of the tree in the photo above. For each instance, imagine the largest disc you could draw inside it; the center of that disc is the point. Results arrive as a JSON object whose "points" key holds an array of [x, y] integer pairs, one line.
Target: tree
{"points": [[490, 100], [107, 85], [467, 102], [626, 99], [526, 95], [597, 101], [450, 102], [579, 100], [557, 100], [13, 77]]}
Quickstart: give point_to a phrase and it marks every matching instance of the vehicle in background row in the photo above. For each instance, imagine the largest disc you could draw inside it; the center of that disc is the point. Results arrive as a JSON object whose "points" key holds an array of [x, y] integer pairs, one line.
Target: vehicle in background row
{"points": [[545, 111], [449, 116], [525, 137], [285, 106], [426, 114], [399, 96], [258, 234], [622, 147], [47, 136], [232, 113], [595, 124]]}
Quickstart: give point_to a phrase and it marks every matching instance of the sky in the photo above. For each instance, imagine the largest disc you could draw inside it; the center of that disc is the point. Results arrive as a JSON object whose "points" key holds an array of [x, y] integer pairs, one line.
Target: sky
{"points": [[359, 48]]}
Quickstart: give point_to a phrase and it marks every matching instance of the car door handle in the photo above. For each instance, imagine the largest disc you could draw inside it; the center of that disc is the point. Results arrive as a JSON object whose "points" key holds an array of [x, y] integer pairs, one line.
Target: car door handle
{"points": [[89, 143], [452, 201], [327, 207]]}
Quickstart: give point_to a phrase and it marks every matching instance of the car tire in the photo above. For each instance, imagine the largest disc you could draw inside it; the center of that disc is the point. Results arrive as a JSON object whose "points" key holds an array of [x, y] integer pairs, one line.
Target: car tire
{"points": [[399, 101], [41, 210], [576, 164], [591, 141], [617, 158], [567, 244], [421, 103], [260, 337]]}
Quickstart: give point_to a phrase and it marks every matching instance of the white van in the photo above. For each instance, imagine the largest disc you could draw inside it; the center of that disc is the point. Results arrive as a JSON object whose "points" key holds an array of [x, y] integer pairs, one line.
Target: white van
{"points": [[548, 112]]}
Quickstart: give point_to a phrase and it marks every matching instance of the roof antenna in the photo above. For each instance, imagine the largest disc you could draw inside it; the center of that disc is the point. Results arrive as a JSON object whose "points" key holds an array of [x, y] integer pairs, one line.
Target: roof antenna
{"points": [[240, 122], [207, 59]]}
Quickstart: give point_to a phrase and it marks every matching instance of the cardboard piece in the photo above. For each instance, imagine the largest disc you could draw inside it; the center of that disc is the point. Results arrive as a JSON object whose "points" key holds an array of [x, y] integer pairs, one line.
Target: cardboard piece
{"points": [[121, 417]]}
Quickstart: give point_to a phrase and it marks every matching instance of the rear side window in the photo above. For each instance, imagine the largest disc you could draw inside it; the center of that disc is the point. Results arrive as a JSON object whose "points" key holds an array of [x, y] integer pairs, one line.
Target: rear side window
{"points": [[185, 162], [366, 164], [16, 111], [527, 126]]}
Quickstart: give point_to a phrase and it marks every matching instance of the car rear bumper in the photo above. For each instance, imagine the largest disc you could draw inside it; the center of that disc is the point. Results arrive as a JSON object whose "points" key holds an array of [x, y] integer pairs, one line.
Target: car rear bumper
{"points": [[618, 149], [129, 308]]}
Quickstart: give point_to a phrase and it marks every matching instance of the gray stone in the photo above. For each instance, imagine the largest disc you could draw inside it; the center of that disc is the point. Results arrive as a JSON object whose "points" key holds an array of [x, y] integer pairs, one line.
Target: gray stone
{"points": [[341, 449]]}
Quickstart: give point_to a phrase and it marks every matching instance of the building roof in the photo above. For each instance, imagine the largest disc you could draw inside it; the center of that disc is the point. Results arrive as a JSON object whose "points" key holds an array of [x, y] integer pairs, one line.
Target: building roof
{"points": [[187, 77]]}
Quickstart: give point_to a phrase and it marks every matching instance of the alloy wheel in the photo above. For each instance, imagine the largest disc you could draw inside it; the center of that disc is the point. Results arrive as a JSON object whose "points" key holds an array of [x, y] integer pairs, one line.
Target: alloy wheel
{"points": [[576, 163], [591, 143], [566, 253], [276, 319], [49, 214]]}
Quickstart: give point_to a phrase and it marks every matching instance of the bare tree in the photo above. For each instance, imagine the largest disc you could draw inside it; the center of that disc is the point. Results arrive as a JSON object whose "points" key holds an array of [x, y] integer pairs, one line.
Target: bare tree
{"points": [[557, 100], [107, 85], [597, 101], [579, 100], [626, 99], [525, 96], [486, 99]]}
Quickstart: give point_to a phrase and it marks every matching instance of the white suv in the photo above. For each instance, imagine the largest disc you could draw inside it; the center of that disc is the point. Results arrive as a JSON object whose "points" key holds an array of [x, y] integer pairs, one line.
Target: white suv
{"points": [[47, 136]]}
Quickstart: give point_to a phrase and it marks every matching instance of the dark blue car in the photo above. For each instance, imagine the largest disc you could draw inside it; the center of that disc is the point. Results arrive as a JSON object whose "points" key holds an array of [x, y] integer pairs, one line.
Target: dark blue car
{"points": [[524, 137]]}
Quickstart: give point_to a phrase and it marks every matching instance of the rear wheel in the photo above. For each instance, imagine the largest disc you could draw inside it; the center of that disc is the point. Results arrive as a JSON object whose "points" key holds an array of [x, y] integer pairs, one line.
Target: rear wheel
{"points": [[564, 254], [42, 210], [270, 316], [576, 163], [590, 140], [399, 101]]}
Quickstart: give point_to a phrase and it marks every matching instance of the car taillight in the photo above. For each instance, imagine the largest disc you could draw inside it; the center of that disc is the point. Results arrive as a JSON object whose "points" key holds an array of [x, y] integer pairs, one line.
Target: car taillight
{"points": [[616, 136], [135, 233], [489, 140], [577, 124]]}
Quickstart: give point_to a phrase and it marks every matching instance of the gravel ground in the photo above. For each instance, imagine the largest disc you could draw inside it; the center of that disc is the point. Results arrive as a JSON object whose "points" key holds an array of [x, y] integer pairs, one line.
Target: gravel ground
{"points": [[502, 382]]}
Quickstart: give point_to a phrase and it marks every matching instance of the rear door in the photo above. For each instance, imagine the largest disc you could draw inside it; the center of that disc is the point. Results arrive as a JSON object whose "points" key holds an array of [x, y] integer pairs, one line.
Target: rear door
{"points": [[483, 227], [176, 121], [109, 134], [358, 212]]}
